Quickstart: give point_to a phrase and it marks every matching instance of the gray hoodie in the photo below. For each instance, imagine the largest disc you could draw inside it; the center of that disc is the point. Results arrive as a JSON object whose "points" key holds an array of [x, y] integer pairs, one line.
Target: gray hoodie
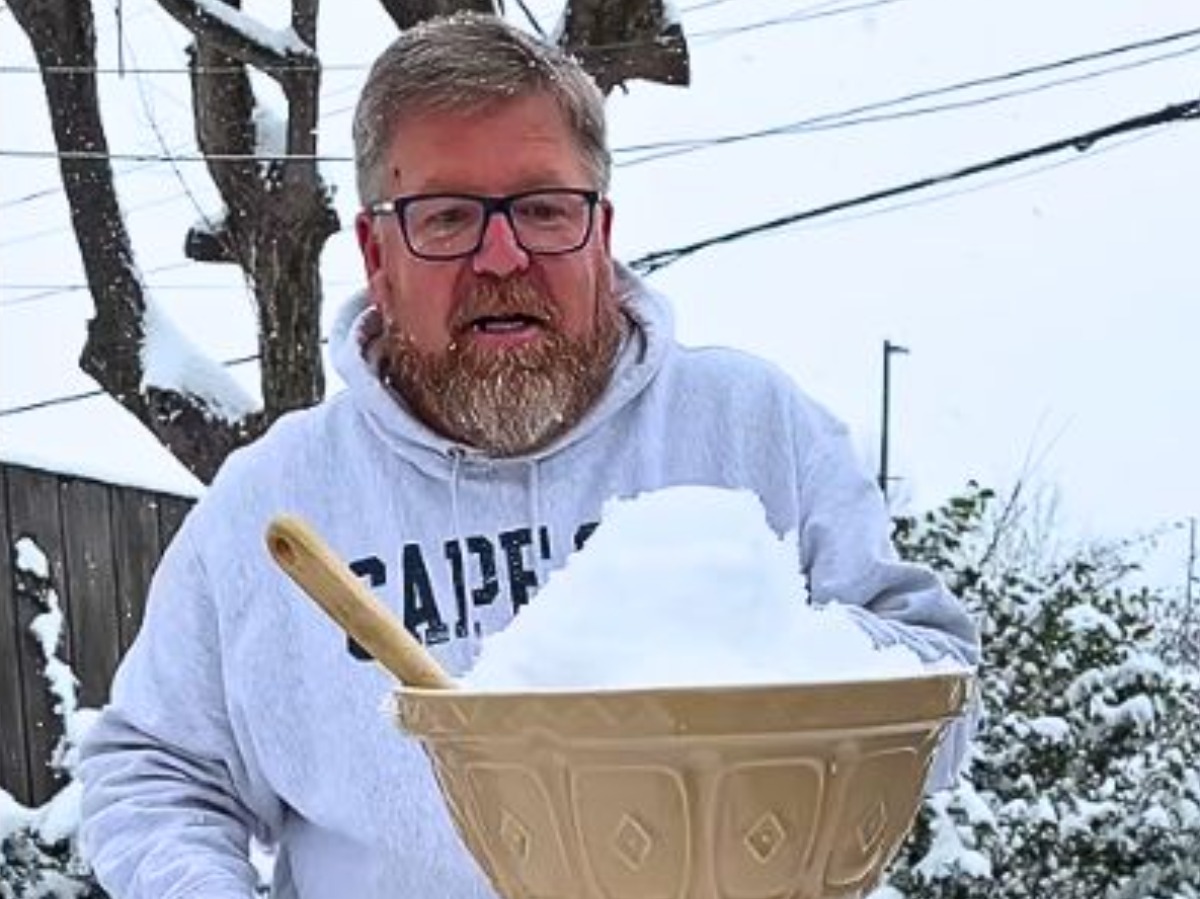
{"points": [[242, 711]]}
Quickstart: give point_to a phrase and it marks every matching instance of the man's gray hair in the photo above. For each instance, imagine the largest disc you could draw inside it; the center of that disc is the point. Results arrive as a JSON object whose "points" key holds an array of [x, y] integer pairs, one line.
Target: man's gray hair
{"points": [[467, 63]]}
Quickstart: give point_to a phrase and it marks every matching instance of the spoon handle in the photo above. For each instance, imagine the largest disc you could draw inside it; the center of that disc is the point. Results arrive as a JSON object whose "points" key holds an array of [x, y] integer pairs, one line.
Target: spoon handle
{"points": [[309, 562]]}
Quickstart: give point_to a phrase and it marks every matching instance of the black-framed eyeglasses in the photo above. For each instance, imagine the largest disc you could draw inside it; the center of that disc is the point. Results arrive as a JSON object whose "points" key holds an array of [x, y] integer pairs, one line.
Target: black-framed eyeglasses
{"points": [[550, 222]]}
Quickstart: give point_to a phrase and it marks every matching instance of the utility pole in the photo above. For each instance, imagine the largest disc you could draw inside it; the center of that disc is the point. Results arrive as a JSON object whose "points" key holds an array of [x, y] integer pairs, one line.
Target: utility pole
{"points": [[1190, 640], [1191, 565], [889, 349]]}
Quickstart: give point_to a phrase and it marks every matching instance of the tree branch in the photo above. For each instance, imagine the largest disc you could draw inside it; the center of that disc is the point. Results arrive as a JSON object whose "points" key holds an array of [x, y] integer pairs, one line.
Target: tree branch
{"points": [[407, 13], [622, 40], [223, 106], [304, 21], [243, 37]]}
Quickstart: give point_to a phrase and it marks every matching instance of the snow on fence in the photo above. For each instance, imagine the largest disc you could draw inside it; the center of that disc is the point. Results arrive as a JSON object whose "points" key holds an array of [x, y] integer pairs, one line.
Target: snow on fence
{"points": [[102, 542]]}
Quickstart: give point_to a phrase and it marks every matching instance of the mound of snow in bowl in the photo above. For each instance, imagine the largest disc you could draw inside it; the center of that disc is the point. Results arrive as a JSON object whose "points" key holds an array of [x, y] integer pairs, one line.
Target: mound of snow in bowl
{"points": [[683, 586]]}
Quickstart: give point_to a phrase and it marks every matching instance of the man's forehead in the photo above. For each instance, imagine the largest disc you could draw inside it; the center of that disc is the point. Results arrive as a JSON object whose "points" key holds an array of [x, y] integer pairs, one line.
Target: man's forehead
{"points": [[507, 147]]}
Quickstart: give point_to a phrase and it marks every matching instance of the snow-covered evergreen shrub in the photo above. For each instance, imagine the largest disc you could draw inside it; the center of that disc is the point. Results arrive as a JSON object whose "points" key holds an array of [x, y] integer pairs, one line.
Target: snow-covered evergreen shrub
{"points": [[37, 845], [39, 853], [35, 869], [1084, 780]]}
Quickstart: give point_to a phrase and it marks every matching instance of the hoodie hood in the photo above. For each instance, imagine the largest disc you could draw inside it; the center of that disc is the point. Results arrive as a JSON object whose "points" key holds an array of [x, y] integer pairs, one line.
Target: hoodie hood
{"points": [[356, 336]]}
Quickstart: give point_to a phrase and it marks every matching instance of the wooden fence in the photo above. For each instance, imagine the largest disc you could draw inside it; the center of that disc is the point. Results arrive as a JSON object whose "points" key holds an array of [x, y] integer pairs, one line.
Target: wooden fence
{"points": [[102, 543]]}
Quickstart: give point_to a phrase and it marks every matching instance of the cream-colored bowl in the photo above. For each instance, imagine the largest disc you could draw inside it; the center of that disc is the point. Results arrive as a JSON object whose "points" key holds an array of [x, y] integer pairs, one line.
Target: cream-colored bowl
{"points": [[756, 792]]}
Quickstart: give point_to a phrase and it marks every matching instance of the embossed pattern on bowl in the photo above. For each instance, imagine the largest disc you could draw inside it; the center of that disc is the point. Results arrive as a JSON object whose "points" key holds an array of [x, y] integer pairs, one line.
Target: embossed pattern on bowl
{"points": [[799, 791]]}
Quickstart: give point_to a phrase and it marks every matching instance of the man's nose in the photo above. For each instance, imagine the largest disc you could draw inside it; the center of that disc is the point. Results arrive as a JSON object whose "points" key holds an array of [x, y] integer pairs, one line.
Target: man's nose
{"points": [[500, 254]]}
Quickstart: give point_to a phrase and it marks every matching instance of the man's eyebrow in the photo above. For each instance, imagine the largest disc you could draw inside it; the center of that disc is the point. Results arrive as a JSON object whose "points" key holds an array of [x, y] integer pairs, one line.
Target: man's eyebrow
{"points": [[538, 181]]}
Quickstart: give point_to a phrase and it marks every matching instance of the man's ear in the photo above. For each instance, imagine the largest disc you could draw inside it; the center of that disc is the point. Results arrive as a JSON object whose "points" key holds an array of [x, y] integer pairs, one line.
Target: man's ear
{"points": [[606, 221], [368, 242]]}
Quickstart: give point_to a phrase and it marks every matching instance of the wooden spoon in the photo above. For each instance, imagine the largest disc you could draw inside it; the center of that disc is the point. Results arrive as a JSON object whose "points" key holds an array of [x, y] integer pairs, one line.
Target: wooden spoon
{"points": [[309, 562]]}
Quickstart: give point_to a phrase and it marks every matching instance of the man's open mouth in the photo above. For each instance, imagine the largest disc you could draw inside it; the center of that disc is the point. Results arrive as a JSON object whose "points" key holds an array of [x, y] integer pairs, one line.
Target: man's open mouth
{"points": [[504, 324]]}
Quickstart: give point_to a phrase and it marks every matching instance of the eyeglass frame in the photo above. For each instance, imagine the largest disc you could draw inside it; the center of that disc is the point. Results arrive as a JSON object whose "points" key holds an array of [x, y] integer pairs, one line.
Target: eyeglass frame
{"points": [[491, 206]]}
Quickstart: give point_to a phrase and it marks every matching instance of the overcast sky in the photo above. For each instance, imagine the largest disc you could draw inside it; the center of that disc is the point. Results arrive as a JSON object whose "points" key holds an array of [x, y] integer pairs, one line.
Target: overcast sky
{"points": [[1051, 309]]}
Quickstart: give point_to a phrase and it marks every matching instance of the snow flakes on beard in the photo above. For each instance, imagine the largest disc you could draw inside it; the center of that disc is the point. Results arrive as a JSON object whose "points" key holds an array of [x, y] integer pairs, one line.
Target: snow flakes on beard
{"points": [[511, 401]]}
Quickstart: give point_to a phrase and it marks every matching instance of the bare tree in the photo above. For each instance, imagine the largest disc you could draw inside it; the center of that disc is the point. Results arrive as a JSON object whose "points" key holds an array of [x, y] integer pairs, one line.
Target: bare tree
{"points": [[278, 212]]}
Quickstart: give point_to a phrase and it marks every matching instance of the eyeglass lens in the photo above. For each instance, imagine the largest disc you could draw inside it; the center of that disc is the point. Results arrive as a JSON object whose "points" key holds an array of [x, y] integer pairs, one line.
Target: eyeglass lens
{"points": [[549, 222]]}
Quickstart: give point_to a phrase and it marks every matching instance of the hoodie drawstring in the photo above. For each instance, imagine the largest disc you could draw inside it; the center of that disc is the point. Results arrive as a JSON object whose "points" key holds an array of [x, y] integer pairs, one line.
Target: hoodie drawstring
{"points": [[456, 461], [540, 541], [535, 513]]}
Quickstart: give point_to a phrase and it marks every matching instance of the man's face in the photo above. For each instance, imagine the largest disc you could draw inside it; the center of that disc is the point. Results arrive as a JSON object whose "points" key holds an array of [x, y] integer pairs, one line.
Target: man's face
{"points": [[501, 349]]}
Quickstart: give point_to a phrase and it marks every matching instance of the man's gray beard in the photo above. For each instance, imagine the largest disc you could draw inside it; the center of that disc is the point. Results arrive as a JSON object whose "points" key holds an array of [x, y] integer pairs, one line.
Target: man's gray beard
{"points": [[510, 401]]}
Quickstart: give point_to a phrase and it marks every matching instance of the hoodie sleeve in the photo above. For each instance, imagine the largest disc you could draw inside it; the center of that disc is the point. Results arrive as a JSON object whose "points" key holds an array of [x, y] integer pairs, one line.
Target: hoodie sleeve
{"points": [[848, 556], [168, 803]]}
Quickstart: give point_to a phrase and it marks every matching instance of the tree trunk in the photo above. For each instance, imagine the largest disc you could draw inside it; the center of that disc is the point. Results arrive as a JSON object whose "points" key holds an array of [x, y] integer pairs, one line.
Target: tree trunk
{"points": [[62, 34], [278, 213]]}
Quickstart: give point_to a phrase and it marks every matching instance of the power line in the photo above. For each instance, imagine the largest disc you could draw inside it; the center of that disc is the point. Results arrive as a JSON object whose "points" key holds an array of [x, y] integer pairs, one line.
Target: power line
{"points": [[844, 119], [57, 189], [238, 250], [708, 4], [97, 155], [54, 401], [92, 394], [677, 147], [29, 198], [59, 229], [122, 71], [829, 121], [47, 290], [815, 12], [532, 19], [155, 164], [660, 259], [44, 292], [803, 15], [839, 121], [989, 184], [1190, 109]]}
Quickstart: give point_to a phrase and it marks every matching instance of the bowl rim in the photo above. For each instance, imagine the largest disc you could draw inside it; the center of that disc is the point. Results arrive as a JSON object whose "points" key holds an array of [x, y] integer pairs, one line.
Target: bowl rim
{"points": [[904, 703], [966, 675]]}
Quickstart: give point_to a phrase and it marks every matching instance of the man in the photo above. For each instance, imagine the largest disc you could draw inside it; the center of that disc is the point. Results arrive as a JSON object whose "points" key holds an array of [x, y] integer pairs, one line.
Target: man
{"points": [[505, 377]]}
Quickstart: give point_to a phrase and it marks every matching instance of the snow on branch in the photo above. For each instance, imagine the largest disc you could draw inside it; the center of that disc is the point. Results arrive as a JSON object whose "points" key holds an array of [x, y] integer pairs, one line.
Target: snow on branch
{"points": [[276, 52], [171, 362]]}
